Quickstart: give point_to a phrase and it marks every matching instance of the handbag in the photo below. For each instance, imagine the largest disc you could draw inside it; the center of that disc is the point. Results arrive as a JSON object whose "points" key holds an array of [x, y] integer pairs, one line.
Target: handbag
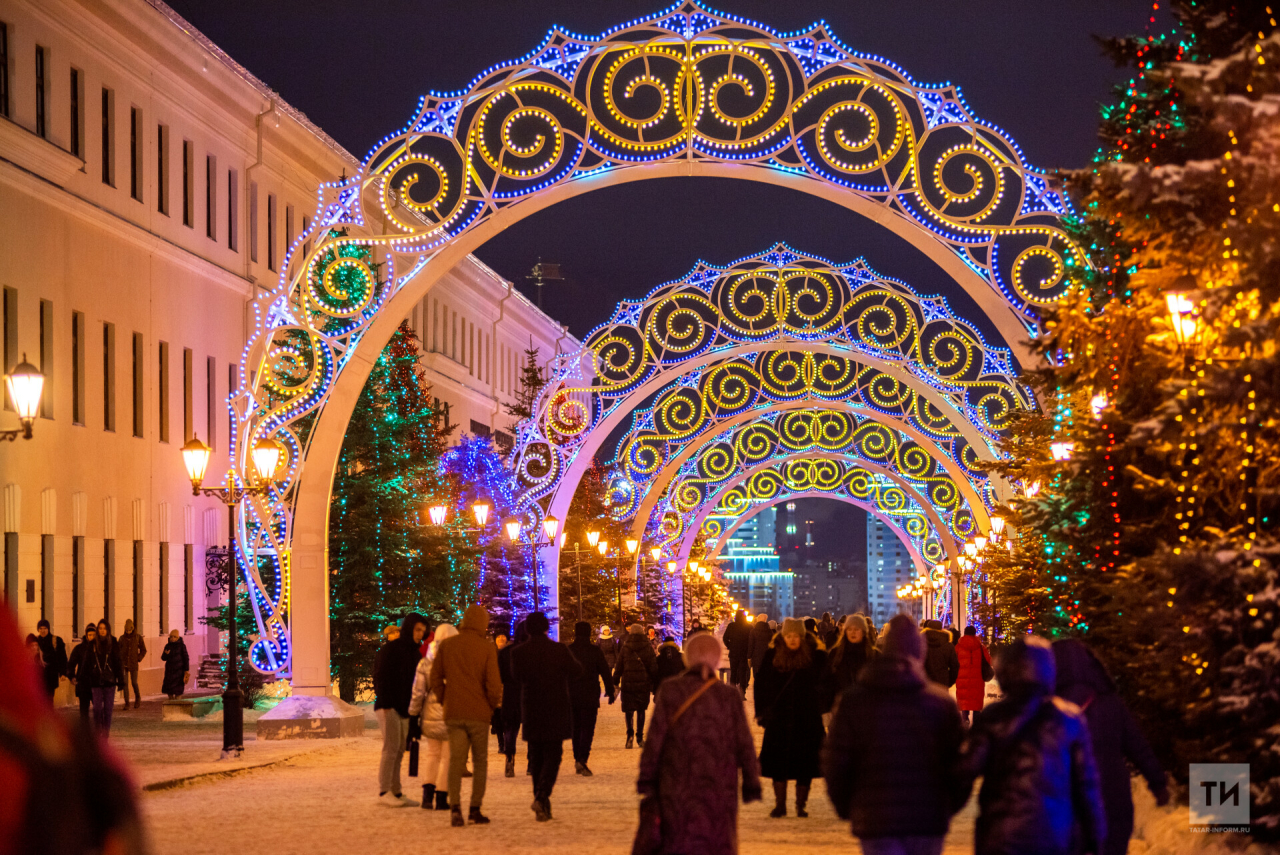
{"points": [[649, 835], [988, 673]]}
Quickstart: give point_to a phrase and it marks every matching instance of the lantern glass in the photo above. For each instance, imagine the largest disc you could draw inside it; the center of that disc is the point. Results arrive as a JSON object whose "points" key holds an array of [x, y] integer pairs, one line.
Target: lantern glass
{"points": [[437, 514], [480, 510], [632, 546], [513, 530], [195, 456], [592, 538], [997, 524], [550, 526], [671, 567], [25, 384], [267, 454], [603, 546], [980, 542], [656, 553]]}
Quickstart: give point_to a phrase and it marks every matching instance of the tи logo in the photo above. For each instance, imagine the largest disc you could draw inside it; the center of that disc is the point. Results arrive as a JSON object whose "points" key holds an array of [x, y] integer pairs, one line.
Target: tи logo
{"points": [[1219, 797]]}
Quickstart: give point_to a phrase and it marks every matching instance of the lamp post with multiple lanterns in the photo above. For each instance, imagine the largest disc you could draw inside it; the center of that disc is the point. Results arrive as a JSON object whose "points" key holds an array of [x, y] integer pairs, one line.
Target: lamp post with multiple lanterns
{"points": [[267, 456], [25, 384], [543, 535]]}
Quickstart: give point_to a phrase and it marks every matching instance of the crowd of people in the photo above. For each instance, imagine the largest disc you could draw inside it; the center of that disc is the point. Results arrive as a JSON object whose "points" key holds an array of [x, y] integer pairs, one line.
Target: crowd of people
{"points": [[870, 710]]}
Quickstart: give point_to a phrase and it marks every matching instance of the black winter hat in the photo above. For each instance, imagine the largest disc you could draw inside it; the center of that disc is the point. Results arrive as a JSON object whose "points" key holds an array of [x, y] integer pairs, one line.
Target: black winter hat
{"points": [[582, 631], [1027, 665]]}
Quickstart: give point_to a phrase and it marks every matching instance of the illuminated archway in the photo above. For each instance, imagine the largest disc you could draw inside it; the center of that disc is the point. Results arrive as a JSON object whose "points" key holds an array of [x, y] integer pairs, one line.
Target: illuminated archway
{"points": [[685, 92]]}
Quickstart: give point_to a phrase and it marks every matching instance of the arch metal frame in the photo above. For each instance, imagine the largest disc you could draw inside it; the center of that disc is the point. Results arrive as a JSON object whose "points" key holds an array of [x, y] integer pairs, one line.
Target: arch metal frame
{"points": [[688, 91]]}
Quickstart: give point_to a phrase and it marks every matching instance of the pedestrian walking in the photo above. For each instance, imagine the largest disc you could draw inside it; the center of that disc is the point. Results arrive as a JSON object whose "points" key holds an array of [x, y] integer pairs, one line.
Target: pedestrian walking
{"points": [[465, 678], [1114, 735], [1040, 790], [890, 755], [394, 668], [426, 724], [852, 650], [758, 643], [544, 670], [940, 662], [652, 634], [104, 674], [509, 712], [635, 671], [609, 645], [737, 639], [54, 653], [669, 663], [78, 672], [789, 708], [584, 694], [826, 631], [695, 625], [975, 670], [133, 649], [177, 666], [699, 742]]}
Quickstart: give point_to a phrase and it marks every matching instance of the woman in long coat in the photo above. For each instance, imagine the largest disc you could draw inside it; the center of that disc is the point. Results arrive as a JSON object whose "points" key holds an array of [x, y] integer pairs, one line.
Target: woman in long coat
{"points": [[426, 707], [636, 669], [177, 666], [510, 708], [690, 764], [971, 688], [852, 650], [789, 707]]}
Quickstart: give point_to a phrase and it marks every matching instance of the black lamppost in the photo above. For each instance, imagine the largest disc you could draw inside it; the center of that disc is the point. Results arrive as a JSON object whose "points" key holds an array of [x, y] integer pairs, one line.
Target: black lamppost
{"points": [[545, 536], [267, 454], [25, 384]]}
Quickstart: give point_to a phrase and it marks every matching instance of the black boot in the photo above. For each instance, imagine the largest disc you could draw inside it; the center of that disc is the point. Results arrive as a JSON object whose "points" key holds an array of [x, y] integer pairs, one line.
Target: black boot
{"points": [[475, 817], [802, 799], [511, 767], [780, 799], [428, 795], [631, 741], [455, 817], [442, 800]]}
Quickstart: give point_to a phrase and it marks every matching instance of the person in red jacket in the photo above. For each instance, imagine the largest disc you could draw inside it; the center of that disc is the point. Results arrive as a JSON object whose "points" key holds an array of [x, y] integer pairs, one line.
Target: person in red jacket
{"points": [[975, 670]]}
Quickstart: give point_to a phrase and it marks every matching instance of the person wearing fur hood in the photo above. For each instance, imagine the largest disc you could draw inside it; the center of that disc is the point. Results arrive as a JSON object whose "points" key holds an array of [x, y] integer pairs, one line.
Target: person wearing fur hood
{"points": [[426, 722]]}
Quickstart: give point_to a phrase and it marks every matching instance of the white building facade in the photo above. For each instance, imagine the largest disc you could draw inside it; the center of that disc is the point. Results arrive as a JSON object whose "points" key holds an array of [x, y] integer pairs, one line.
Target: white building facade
{"points": [[150, 187]]}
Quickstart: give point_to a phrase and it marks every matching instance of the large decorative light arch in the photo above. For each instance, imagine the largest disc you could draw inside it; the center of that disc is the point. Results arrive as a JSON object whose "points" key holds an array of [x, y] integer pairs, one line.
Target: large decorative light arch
{"points": [[687, 91]]}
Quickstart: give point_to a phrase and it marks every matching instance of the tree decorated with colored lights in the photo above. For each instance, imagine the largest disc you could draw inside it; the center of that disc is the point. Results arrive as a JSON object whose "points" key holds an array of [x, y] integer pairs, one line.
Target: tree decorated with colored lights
{"points": [[383, 561], [1148, 514], [606, 580]]}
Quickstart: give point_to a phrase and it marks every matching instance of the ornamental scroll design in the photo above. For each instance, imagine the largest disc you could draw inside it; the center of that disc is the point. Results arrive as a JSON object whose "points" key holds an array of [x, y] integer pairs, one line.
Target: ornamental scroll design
{"points": [[686, 85], [732, 454], [837, 478]]}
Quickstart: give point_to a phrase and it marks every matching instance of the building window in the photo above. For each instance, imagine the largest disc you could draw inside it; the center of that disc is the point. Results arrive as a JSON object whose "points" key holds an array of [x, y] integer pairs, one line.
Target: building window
{"points": [[162, 169], [188, 184], [162, 380], [135, 155], [253, 221], [211, 377], [46, 358], [164, 589], [77, 114], [108, 376], [137, 587], [46, 577], [77, 583], [139, 381], [288, 228], [10, 337], [4, 69], [233, 385], [42, 55], [108, 580], [210, 197], [11, 567], [108, 137], [188, 423], [271, 232], [77, 367], [233, 210], [188, 571]]}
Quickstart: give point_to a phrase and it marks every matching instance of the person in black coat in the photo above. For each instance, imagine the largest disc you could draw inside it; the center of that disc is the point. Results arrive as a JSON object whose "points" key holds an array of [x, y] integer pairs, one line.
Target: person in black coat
{"points": [[851, 651], [104, 674], [1040, 790], [394, 668], [758, 642], [789, 707], [1114, 735], [177, 666], [737, 639], [510, 709], [609, 645], [544, 670], [54, 653], [941, 664], [637, 666], [670, 663], [893, 744], [584, 694], [77, 671]]}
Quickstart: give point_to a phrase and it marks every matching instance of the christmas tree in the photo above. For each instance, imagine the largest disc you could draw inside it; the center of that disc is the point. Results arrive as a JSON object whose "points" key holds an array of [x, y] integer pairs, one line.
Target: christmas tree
{"points": [[532, 379], [1146, 518], [383, 561]]}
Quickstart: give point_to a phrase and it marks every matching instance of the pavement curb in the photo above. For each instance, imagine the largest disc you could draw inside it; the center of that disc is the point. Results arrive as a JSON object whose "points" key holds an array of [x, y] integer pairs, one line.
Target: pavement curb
{"points": [[173, 783]]}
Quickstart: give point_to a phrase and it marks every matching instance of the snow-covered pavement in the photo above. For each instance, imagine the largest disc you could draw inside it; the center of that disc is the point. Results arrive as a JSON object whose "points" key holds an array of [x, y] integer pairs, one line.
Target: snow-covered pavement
{"points": [[326, 798]]}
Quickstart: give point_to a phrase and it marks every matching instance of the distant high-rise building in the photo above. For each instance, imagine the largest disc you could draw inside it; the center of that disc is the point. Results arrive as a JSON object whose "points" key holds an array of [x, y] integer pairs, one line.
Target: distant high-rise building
{"points": [[751, 556], [888, 567], [828, 586]]}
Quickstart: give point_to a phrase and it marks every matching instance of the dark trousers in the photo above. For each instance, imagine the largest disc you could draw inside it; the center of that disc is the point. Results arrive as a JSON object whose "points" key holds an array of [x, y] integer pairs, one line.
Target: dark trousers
{"points": [[740, 672], [86, 700], [509, 738], [639, 725], [584, 731], [544, 764]]}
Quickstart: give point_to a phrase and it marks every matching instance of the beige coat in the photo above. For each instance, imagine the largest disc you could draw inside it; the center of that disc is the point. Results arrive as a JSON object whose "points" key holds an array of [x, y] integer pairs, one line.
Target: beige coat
{"points": [[423, 701], [464, 676]]}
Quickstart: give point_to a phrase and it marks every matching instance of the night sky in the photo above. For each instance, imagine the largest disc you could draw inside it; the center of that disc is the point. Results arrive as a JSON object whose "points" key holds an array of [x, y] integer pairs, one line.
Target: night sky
{"points": [[358, 69]]}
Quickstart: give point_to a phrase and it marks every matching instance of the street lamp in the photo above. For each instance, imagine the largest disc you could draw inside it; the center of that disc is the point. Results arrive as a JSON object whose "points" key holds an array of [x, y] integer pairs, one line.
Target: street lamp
{"points": [[480, 510], [1183, 318], [437, 514], [267, 454], [1062, 450], [25, 385], [592, 537]]}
